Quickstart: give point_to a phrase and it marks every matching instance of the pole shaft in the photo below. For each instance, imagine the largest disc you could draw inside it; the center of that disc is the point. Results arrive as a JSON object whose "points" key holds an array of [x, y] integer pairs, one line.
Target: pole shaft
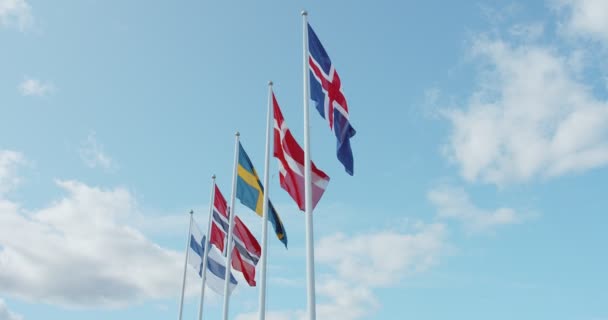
{"points": [[310, 254], [232, 213], [181, 300], [262, 298], [206, 253]]}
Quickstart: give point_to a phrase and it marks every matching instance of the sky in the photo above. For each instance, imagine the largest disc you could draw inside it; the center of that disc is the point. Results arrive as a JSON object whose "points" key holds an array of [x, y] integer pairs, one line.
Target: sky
{"points": [[481, 156]]}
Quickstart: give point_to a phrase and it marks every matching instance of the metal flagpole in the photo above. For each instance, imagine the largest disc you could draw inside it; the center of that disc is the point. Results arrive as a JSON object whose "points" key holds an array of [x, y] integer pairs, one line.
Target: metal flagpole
{"points": [[310, 250], [232, 213], [262, 313], [181, 300], [206, 253]]}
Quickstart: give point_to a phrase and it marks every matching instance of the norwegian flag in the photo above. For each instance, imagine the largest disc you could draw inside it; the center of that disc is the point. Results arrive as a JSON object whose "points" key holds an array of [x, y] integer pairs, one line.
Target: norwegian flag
{"points": [[246, 250], [326, 91], [291, 163], [219, 220]]}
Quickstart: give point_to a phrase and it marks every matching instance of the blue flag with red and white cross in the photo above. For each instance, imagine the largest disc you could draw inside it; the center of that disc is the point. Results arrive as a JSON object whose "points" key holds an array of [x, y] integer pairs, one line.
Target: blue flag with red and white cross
{"points": [[326, 92]]}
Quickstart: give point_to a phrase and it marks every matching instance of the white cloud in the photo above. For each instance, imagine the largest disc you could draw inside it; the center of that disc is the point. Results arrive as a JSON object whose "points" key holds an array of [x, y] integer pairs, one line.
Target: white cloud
{"points": [[586, 18], [9, 161], [273, 315], [34, 87], [429, 106], [529, 117], [362, 263], [383, 258], [164, 224], [6, 314], [454, 203], [288, 282], [336, 299], [347, 300], [93, 155], [527, 31], [81, 251], [17, 13], [495, 14]]}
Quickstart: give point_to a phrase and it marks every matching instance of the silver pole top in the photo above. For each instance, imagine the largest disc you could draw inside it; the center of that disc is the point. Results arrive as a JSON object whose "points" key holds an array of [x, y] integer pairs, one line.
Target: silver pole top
{"points": [[237, 134], [304, 12], [270, 83]]}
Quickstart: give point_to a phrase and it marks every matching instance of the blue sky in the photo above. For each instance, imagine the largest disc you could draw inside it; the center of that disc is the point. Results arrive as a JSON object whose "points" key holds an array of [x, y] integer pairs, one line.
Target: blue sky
{"points": [[480, 156]]}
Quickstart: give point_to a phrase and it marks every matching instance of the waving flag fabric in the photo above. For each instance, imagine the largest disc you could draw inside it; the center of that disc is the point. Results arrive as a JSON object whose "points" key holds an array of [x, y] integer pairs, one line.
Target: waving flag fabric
{"points": [[216, 263], [326, 91], [250, 192], [291, 162], [245, 242], [246, 250], [216, 270], [219, 220]]}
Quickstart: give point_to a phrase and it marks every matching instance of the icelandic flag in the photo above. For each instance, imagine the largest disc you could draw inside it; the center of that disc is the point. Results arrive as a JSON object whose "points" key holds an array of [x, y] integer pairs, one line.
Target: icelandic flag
{"points": [[291, 162], [216, 263], [326, 92]]}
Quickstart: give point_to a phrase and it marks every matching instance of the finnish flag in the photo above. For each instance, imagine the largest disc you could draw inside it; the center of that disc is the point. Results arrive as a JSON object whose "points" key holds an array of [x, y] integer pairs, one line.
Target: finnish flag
{"points": [[216, 262]]}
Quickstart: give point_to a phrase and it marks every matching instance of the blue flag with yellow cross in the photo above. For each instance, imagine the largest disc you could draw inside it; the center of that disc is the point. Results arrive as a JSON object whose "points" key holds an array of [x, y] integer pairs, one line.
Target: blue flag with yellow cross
{"points": [[250, 191]]}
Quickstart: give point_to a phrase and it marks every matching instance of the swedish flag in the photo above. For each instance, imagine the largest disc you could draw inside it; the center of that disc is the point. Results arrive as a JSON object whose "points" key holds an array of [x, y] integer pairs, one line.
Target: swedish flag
{"points": [[250, 192]]}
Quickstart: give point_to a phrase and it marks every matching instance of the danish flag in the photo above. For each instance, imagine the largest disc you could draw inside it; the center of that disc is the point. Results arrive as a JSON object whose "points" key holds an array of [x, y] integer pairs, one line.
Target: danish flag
{"points": [[291, 163], [326, 91]]}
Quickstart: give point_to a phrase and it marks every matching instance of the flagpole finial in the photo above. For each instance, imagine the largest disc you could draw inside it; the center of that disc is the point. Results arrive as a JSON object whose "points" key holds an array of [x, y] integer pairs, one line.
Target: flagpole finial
{"points": [[237, 134], [191, 212], [270, 83], [304, 12], [213, 177]]}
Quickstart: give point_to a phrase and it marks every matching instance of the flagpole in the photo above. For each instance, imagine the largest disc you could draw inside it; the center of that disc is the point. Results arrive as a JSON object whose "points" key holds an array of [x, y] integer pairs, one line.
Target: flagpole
{"points": [[310, 250], [262, 313], [181, 300], [206, 252], [232, 213]]}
